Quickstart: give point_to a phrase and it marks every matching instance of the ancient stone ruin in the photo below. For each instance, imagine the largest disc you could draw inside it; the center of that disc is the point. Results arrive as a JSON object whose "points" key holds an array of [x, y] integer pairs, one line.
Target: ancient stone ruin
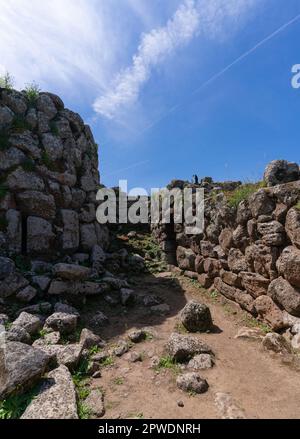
{"points": [[65, 280], [250, 248], [48, 179]]}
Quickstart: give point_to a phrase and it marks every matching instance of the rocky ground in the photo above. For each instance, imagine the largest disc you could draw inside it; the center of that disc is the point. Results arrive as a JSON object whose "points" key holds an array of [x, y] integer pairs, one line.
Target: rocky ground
{"points": [[156, 345]]}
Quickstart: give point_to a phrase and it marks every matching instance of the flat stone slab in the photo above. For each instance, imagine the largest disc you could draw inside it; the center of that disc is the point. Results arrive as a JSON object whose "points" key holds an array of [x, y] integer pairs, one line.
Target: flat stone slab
{"points": [[56, 398], [20, 367]]}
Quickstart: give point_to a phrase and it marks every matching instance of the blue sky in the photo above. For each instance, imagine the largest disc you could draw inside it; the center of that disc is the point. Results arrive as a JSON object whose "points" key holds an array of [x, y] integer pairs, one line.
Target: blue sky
{"points": [[137, 72]]}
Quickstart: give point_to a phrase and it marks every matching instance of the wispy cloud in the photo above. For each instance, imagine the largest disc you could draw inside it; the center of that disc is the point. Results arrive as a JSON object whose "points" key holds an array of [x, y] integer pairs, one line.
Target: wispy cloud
{"points": [[153, 49], [63, 44], [193, 17]]}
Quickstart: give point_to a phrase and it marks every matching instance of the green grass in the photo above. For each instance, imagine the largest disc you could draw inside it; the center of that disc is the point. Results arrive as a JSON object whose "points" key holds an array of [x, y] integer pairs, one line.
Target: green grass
{"points": [[243, 192], [94, 350], [83, 411], [167, 362], [109, 361], [14, 406], [7, 81], [80, 381], [4, 140], [19, 124], [28, 165], [32, 92]]}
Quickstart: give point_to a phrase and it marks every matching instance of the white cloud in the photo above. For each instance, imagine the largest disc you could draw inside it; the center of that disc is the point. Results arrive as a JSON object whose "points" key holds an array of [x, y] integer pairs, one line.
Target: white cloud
{"points": [[80, 47], [61, 43], [155, 46], [193, 17]]}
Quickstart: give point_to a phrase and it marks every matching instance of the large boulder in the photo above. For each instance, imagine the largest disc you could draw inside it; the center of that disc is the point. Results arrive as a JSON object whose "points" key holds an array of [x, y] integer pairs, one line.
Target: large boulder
{"points": [[184, 347], [40, 235], [276, 343], [196, 317], [272, 232], [21, 367], [261, 204], [71, 272], [254, 283], [62, 322], [31, 323], [261, 259], [35, 203], [292, 226], [237, 261], [232, 293], [67, 355], [281, 171], [95, 403], [56, 398], [269, 312], [288, 265], [284, 294], [192, 382], [186, 259]]}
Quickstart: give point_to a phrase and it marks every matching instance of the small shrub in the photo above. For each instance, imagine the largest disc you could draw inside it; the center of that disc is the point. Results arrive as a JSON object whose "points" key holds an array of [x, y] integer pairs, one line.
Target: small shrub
{"points": [[28, 165], [32, 92], [167, 362], [4, 140], [7, 81], [14, 406], [94, 350], [19, 124], [243, 192], [118, 381]]}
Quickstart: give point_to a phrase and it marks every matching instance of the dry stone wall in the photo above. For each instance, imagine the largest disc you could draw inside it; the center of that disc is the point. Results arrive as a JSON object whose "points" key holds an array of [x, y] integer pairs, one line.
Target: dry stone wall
{"points": [[48, 179], [249, 253]]}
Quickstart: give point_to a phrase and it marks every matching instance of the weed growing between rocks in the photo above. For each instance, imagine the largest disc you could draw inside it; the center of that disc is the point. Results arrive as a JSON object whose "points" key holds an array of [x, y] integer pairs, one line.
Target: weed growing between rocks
{"points": [[167, 362], [19, 124], [243, 192], [32, 92], [15, 405], [7, 81]]}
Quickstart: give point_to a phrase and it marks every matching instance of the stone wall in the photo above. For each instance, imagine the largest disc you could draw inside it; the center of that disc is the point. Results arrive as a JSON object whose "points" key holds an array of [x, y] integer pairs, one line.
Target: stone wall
{"points": [[48, 179], [249, 253]]}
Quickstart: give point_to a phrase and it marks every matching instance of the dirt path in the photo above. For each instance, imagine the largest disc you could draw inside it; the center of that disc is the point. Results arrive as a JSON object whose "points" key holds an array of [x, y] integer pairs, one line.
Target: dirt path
{"points": [[258, 381]]}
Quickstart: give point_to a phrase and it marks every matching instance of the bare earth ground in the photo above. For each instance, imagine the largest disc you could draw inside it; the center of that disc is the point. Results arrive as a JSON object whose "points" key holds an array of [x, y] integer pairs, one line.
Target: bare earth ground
{"points": [[258, 381]]}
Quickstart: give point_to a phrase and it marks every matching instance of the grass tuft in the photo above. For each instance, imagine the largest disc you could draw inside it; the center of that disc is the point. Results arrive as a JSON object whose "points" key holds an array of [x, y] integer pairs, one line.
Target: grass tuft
{"points": [[167, 362], [7, 81], [243, 192], [32, 92]]}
